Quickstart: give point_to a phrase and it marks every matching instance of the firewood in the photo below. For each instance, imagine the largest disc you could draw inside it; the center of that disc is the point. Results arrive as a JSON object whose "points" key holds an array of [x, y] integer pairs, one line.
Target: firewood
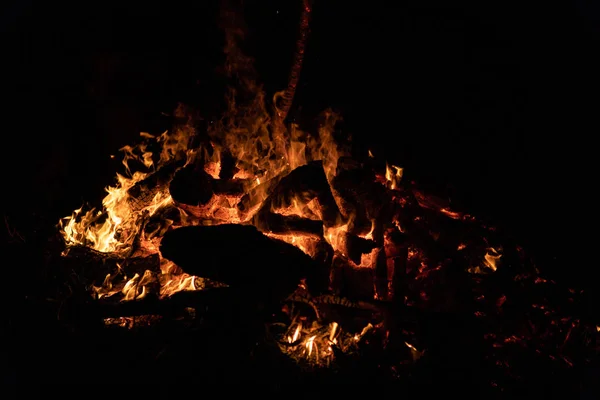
{"points": [[361, 198], [92, 267], [324, 254], [411, 219], [255, 196], [242, 257], [173, 305], [306, 182], [382, 281], [399, 274], [396, 253], [254, 170], [232, 187], [346, 163], [357, 246], [191, 185], [142, 193], [269, 222], [228, 168], [381, 271], [161, 220], [351, 282]]}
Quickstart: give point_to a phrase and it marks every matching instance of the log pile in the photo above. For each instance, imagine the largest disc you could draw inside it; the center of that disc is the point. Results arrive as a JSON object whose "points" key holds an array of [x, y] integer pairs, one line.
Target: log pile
{"points": [[243, 257], [380, 223], [399, 258]]}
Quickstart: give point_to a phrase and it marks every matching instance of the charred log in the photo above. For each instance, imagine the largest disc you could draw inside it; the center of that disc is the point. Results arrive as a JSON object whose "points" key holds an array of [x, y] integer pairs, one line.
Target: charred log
{"points": [[171, 306], [324, 254], [233, 188], [191, 185], [347, 164], [269, 222], [242, 257], [361, 197], [143, 193], [258, 194], [351, 282], [382, 278], [357, 246], [306, 182], [228, 169], [397, 258], [92, 267], [160, 221]]}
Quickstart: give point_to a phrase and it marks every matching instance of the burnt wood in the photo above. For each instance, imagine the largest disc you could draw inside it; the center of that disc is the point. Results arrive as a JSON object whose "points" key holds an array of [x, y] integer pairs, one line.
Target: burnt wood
{"points": [[170, 306], [259, 193], [244, 258], [142, 193], [270, 222], [357, 246], [192, 185], [362, 198], [91, 266], [351, 282], [306, 182]]}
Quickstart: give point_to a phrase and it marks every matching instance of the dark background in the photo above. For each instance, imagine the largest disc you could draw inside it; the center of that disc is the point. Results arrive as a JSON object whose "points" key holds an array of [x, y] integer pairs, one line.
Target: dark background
{"points": [[494, 102]]}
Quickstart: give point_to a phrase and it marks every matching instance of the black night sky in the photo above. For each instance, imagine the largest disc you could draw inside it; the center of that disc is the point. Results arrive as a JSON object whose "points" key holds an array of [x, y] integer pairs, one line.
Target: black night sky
{"points": [[492, 102]]}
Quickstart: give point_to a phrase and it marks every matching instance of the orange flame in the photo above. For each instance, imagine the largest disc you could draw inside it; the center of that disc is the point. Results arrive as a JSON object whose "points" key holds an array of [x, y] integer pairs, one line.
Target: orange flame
{"points": [[264, 149]]}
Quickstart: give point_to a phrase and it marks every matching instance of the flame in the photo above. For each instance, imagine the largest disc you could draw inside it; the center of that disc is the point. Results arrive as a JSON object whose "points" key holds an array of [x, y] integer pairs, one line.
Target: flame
{"points": [[114, 228], [416, 354], [492, 258], [263, 149], [314, 343], [393, 175], [251, 146], [490, 263], [336, 236]]}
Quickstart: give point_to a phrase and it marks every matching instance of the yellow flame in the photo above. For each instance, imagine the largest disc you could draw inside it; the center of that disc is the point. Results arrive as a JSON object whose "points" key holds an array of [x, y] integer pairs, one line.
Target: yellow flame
{"points": [[393, 175], [114, 228], [491, 258], [263, 149]]}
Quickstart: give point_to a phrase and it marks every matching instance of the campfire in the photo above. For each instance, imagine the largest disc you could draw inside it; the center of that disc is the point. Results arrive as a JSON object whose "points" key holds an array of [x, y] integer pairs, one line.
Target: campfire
{"points": [[337, 252]]}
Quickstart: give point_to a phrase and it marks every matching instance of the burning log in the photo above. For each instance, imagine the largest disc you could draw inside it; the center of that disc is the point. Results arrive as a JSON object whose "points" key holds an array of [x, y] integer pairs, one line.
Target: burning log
{"points": [[351, 282], [323, 253], [290, 225], [173, 305], [160, 221], [143, 193], [191, 185], [258, 194], [241, 256], [397, 258], [92, 267], [361, 197], [305, 183], [232, 188], [357, 246], [227, 162]]}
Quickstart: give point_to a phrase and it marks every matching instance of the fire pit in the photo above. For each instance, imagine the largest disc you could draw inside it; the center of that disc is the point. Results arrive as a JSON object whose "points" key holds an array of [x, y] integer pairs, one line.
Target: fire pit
{"points": [[277, 250]]}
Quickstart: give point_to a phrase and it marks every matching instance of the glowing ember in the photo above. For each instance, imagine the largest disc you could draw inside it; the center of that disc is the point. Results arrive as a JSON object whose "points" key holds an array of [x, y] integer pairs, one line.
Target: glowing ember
{"points": [[317, 344]]}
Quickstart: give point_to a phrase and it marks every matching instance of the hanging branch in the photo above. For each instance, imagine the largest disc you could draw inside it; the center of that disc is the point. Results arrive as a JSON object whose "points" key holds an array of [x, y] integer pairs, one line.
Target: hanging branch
{"points": [[286, 97]]}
